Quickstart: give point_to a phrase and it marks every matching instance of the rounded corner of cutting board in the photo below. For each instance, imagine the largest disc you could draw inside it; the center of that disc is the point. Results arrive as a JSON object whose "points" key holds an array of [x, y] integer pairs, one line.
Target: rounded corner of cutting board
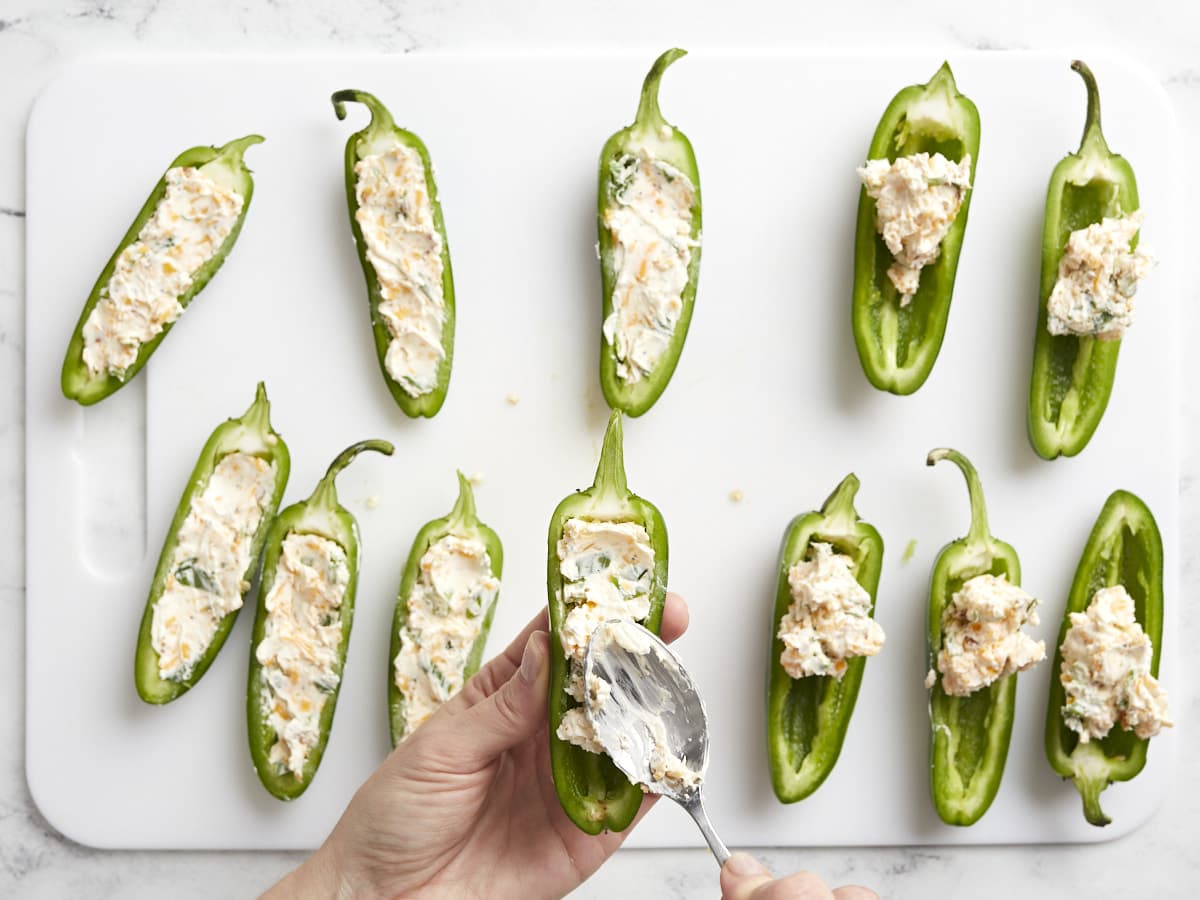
{"points": [[49, 802]]}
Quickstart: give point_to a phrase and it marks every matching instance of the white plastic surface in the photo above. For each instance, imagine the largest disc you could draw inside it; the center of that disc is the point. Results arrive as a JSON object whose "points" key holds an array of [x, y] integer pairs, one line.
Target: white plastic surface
{"points": [[768, 400]]}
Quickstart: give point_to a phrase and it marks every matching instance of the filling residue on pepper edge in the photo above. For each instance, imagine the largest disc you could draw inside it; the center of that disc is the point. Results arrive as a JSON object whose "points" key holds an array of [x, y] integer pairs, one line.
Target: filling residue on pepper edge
{"points": [[453, 591], [829, 620], [1097, 279], [301, 645], [650, 222], [187, 228], [1106, 671], [917, 199], [608, 572], [982, 640], [404, 247], [212, 556]]}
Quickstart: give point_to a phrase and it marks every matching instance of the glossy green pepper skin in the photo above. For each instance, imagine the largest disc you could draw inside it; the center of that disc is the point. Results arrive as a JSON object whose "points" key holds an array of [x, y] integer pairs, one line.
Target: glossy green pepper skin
{"points": [[897, 345], [321, 515], [1124, 548], [970, 735], [252, 434], [225, 166], [378, 135], [807, 718], [1073, 374], [593, 792], [648, 131], [462, 522]]}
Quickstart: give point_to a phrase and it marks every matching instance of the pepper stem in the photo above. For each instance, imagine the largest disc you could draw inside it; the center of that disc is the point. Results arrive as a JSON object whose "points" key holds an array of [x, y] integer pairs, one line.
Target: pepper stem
{"points": [[978, 532], [840, 504], [232, 152], [648, 114], [1092, 132], [325, 492], [381, 119], [463, 512], [258, 416], [610, 473], [1091, 778]]}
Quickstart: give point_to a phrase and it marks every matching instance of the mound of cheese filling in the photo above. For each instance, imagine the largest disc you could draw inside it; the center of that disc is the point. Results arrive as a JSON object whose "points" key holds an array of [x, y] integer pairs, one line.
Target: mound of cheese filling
{"points": [[917, 199], [446, 608], [404, 247], [187, 228], [982, 640], [1097, 280], [651, 227], [211, 558], [1106, 671], [829, 620], [608, 572], [300, 648]]}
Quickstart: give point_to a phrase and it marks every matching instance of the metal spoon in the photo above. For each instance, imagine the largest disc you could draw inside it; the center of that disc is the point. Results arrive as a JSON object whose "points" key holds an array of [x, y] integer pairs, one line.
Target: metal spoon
{"points": [[649, 718]]}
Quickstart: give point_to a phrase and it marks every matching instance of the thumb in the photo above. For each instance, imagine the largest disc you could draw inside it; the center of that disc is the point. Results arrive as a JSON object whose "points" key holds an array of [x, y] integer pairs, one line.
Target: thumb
{"points": [[513, 712], [741, 875]]}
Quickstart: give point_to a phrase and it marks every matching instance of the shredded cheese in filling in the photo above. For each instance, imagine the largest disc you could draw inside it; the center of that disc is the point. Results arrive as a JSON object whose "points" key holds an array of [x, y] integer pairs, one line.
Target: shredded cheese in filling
{"points": [[187, 228], [917, 199], [1097, 279], [982, 640], [301, 644], [211, 558], [1106, 671], [404, 247], [829, 620], [650, 223], [446, 608], [608, 572]]}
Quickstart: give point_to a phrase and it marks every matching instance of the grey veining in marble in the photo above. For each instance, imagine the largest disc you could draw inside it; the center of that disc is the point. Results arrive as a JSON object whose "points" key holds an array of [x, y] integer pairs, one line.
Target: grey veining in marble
{"points": [[37, 37]]}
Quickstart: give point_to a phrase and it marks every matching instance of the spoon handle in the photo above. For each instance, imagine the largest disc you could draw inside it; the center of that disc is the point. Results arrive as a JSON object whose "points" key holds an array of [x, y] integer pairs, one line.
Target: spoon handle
{"points": [[695, 808]]}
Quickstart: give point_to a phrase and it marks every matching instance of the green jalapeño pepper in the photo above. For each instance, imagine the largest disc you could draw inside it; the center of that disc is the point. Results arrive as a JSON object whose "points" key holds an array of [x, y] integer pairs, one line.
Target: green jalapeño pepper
{"points": [[463, 524], [649, 245], [898, 342], [159, 267], [305, 610], [209, 557], [807, 717], [1124, 548], [394, 212], [593, 792], [970, 734], [1073, 374]]}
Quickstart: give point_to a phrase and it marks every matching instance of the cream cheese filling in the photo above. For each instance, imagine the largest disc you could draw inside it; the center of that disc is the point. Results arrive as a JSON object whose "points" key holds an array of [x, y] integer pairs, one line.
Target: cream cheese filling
{"points": [[212, 556], [404, 247], [454, 589], [301, 644], [650, 222], [188, 227]]}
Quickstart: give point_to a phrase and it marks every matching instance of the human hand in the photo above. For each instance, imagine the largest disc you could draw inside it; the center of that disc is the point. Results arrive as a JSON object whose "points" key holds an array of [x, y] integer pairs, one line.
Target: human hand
{"points": [[744, 878], [466, 806]]}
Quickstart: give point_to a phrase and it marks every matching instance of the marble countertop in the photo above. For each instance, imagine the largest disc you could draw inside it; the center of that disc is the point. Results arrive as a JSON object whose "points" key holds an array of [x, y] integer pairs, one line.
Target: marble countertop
{"points": [[38, 37]]}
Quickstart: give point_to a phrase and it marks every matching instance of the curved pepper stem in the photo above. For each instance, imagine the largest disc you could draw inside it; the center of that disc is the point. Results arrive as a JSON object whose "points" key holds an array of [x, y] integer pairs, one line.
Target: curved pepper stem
{"points": [[325, 493], [648, 113], [463, 512], [381, 119], [978, 532], [232, 152], [1092, 133], [839, 506], [610, 473], [258, 416]]}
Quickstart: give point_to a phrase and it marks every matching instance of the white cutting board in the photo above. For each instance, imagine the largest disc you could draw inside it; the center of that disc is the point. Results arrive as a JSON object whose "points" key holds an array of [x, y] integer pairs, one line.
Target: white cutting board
{"points": [[768, 399]]}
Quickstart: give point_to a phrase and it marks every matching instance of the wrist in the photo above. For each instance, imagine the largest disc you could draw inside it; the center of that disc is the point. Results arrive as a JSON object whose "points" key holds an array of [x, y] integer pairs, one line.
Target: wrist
{"points": [[319, 876]]}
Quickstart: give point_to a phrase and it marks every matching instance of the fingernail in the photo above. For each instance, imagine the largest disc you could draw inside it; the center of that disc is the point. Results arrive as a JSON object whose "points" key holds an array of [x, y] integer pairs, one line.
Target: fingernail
{"points": [[745, 864], [531, 660]]}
